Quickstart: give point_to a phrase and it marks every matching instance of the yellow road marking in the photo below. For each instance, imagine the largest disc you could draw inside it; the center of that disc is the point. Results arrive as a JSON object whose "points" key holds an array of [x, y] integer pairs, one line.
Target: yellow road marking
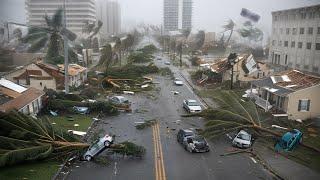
{"points": [[158, 154]]}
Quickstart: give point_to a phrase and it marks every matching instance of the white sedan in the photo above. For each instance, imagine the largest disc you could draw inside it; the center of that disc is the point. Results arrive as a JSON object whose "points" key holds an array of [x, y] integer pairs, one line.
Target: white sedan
{"points": [[178, 82], [242, 140], [167, 63], [192, 106], [98, 146]]}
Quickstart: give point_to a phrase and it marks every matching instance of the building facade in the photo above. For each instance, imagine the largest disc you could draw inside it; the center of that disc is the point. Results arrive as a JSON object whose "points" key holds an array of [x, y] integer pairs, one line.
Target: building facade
{"points": [[109, 12], [295, 40], [77, 11], [187, 14], [170, 15]]}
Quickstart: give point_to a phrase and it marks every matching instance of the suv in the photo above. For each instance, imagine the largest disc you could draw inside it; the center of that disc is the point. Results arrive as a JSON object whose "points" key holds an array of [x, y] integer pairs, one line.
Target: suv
{"points": [[183, 133], [289, 140], [196, 144], [98, 146]]}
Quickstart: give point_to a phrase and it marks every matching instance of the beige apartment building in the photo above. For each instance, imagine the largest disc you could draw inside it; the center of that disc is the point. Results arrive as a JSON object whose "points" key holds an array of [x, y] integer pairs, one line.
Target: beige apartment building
{"points": [[295, 40]]}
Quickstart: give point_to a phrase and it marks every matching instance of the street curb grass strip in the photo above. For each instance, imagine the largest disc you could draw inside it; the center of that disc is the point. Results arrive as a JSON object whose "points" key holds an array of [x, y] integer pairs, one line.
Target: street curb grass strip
{"points": [[158, 155]]}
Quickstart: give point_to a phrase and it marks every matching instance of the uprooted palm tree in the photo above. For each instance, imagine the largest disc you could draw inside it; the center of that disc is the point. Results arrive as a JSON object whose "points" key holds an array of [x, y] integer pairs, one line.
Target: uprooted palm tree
{"points": [[235, 114], [50, 38], [23, 138]]}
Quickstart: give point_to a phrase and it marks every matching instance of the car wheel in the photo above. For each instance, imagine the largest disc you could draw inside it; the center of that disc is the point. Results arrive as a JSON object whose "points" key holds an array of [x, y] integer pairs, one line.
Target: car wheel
{"points": [[88, 157], [190, 150], [107, 143]]}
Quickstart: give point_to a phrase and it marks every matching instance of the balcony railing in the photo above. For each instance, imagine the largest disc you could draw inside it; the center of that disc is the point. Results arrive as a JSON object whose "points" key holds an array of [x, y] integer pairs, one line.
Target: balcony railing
{"points": [[264, 104]]}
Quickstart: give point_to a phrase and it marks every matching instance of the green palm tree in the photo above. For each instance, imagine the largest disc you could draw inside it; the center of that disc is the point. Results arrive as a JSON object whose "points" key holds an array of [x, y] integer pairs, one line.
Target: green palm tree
{"points": [[106, 59], [23, 138], [229, 27], [50, 38], [234, 114]]}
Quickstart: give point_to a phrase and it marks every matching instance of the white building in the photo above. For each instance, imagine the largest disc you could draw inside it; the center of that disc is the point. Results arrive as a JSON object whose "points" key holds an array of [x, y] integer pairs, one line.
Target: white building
{"points": [[77, 11], [109, 12], [187, 14], [295, 40], [170, 15]]}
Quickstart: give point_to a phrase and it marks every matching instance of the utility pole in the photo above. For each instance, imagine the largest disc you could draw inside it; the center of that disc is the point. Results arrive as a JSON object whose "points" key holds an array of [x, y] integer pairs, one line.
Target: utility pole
{"points": [[65, 44]]}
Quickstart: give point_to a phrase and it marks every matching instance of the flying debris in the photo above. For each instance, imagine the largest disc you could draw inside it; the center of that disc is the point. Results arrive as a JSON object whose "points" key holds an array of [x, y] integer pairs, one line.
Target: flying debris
{"points": [[250, 15]]}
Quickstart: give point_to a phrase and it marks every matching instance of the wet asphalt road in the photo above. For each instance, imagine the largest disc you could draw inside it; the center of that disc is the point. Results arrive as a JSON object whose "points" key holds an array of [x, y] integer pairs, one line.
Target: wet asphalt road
{"points": [[166, 107]]}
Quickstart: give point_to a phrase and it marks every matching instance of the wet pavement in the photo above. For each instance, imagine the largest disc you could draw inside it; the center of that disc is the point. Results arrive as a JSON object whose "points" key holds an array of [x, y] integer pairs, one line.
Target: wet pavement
{"points": [[163, 105]]}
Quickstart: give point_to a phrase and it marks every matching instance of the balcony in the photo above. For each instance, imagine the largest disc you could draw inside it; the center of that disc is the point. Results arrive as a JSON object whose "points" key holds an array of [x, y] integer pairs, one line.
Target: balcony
{"points": [[264, 104]]}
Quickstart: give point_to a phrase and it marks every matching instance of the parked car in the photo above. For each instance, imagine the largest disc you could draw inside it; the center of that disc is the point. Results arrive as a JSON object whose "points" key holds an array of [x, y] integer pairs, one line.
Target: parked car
{"points": [[158, 58], [196, 144], [192, 106], [242, 140], [119, 100], [167, 63], [183, 133], [98, 146], [178, 82], [289, 140], [81, 110]]}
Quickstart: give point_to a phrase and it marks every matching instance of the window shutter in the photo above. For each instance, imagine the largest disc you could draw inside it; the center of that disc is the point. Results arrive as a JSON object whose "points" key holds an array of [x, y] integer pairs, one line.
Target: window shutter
{"points": [[308, 107], [299, 105]]}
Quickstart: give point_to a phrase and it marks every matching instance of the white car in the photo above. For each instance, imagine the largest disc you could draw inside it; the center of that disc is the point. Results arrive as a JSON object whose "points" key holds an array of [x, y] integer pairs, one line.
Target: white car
{"points": [[192, 106], [178, 82], [167, 63], [98, 146], [119, 100], [242, 140]]}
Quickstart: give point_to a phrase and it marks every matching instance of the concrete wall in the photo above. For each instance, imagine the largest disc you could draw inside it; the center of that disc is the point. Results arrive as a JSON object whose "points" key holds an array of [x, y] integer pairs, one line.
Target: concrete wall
{"points": [[33, 107], [313, 94]]}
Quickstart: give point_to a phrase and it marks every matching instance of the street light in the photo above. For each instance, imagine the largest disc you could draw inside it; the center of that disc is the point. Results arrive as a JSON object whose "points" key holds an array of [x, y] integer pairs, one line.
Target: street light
{"points": [[231, 60]]}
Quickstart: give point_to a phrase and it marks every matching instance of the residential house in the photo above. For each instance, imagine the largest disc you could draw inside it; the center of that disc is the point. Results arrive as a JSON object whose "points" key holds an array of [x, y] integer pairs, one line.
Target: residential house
{"points": [[34, 75], [291, 93], [245, 69], [77, 74], [14, 96]]}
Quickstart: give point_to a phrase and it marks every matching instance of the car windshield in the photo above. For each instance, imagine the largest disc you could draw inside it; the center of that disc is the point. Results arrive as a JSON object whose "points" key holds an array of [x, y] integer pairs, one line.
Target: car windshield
{"points": [[193, 103], [189, 134], [244, 137], [199, 139]]}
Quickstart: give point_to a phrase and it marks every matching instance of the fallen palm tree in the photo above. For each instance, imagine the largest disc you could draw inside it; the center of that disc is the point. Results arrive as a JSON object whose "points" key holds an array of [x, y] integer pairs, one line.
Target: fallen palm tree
{"points": [[235, 114], [24, 138]]}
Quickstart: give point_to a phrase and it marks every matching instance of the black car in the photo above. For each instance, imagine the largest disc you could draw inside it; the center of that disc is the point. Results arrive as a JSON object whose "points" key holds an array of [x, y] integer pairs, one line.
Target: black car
{"points": [[196, 144], [182, 133]]}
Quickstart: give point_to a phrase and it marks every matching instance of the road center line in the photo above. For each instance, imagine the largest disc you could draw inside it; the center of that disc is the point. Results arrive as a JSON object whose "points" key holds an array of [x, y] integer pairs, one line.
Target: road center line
{"points": [[158, 154]]}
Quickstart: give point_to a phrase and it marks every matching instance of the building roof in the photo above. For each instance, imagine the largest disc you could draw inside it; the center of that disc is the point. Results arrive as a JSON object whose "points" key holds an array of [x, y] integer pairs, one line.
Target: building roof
{"points": [[292, 9], [74, 69], [220, 66], [287, 82], [24, 99], [10, 85]]}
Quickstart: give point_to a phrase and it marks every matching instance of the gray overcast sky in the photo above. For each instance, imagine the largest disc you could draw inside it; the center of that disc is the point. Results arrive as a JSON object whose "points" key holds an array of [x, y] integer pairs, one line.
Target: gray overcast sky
{"points": [[207, 14]]}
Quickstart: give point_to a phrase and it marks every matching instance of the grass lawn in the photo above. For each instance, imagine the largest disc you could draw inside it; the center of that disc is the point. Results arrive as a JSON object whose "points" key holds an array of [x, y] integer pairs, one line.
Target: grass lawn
{"points": [[68, 122], [38, 170]]}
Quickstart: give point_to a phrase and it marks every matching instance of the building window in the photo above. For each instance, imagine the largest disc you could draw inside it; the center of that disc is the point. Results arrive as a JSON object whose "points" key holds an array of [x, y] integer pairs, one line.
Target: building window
{"points": [[293, 44], [304, 105], [308, 45], [294, 31], [318, 30], [286, 44], [286, 59], [288, 31], [317, 46], [303, 15], [41, 84], [310, 30], [280, 43], [301, 30], [299, 45]]}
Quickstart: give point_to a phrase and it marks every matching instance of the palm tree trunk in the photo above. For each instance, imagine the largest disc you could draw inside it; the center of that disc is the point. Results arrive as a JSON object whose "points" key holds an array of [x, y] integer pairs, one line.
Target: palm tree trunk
{"points": [[231, 32]]}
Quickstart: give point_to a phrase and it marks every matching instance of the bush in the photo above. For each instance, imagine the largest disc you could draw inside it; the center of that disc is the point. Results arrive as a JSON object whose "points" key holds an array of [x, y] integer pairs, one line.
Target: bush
{"points": [[140, 57], [131, 71]]}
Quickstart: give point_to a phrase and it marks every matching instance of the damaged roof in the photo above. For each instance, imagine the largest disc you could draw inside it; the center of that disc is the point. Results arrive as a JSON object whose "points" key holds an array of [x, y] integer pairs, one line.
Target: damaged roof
{"points": [[24, 99], [10, 85], [287, 82], [74, 69]]}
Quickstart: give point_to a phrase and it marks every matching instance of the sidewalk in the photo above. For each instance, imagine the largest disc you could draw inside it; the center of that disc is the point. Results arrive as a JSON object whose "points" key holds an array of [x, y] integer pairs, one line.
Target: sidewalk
{"points": [[285, 167]]}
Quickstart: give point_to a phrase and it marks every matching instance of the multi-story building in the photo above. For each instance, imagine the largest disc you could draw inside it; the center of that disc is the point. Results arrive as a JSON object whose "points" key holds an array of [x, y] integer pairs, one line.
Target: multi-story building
{"points": [[109, 12], [295, 40], [170, 15], [187, 14], [77, 12]]}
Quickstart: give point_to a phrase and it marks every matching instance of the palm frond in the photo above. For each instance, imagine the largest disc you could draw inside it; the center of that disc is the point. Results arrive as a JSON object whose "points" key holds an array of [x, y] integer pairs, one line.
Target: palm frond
{"points": [[37, 45], [31, 37], [57, 19]]}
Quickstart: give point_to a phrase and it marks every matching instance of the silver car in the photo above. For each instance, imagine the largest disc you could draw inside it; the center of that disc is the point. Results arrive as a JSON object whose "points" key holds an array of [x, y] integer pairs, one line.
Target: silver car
{"points": [[98, 146]]}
